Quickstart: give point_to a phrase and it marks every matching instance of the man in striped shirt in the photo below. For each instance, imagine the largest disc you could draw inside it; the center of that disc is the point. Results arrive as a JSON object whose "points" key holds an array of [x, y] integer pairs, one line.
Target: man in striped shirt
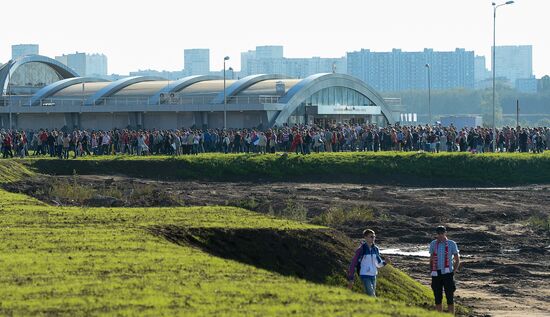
{"points": [[444, 261]]}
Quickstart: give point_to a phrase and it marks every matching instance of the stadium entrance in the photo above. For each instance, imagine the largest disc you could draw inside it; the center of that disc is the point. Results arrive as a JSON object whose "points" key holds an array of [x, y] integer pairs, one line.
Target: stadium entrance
{"points": [[329, 121]]}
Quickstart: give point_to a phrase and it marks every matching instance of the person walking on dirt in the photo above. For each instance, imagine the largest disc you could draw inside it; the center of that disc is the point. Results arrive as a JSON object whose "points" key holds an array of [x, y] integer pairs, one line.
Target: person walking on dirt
{"points": [[444, 261], [366, 261]]}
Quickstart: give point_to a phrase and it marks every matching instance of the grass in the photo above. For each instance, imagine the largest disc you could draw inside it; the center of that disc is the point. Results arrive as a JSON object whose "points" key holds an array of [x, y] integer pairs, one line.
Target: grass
{"points": [[104, 261], [389, 167], [75, 192], [336, 217], [540, 223], [72, 261], [11, 171]]}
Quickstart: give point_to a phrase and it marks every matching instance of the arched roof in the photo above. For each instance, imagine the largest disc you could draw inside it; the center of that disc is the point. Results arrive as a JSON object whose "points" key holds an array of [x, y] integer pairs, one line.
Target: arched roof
{"points": [[115, 86], [11, 66], [52, 89], [244, 83], [179, 85], [312, 84]]}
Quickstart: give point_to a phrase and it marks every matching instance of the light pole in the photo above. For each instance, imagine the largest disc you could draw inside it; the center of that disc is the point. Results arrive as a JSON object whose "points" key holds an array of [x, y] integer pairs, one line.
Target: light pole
{"points": [[429, 94], [495, 7], [9, 96], [224, 99]]}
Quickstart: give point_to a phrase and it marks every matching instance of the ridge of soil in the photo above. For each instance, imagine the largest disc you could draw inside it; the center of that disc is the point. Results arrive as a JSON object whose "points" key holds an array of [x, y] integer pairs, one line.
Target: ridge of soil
{"points": [[292, 253]]}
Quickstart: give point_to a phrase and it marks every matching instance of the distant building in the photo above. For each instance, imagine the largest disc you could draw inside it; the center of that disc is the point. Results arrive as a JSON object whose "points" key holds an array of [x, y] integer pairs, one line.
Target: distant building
{"points": [[76, 62], [163, 74], [514, 62], [23, 49], [197, 61], [544, 84], [527, 85], [269, 52], [270, 60], [303, 67], [96, 65], [85, 64], [460, 122], [481, 73], [245, 57], [398, 70]]}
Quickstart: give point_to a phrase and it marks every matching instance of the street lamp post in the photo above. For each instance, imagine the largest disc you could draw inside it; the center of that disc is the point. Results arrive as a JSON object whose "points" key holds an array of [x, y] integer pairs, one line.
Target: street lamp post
{"points": [[429, 93], [495, 7], [224, 98], [9, 97]]}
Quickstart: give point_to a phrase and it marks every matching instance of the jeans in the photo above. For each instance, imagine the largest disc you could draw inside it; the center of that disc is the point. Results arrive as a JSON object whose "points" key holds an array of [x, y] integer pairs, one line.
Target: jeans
{"points": [[370, 284]]}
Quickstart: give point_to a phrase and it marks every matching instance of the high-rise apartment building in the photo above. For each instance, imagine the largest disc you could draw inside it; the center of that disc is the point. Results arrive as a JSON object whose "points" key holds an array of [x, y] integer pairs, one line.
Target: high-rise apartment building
{"points": [[398, 70], [197, 61], [514, 62], [481, 72], [76, 61], [270, 60], [85, 64], [96, 65], [23, 49], [269, 52]]}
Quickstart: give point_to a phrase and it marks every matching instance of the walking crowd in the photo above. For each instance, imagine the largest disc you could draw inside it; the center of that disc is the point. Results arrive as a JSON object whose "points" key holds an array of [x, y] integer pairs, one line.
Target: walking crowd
{"points": [[298, 139]]}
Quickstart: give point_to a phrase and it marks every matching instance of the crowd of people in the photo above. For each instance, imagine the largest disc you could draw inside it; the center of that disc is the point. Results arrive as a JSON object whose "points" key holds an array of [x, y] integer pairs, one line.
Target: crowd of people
{"points": [[298, 139]]}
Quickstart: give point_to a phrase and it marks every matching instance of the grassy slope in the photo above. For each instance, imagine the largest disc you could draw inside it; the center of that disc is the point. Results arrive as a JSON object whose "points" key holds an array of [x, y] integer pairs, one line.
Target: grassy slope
{"points": [[77, 261], [11, 171], [393, 167]]}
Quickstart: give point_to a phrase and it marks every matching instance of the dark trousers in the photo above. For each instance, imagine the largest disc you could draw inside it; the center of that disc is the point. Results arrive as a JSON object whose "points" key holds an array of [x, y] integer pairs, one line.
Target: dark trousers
{"points": [[443, 282]]}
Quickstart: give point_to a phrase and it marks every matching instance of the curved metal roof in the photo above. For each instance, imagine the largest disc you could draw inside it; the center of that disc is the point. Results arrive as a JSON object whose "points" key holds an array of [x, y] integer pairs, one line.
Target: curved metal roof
{"points": [[52, 89], [244, 83], [179, 85], [115, 86], [269, 87], [312, 84], [10, 67]]}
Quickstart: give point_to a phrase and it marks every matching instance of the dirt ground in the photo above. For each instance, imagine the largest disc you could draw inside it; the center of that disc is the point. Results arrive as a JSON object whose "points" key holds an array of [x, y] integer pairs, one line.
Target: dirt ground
{"points": [[506, 262]]}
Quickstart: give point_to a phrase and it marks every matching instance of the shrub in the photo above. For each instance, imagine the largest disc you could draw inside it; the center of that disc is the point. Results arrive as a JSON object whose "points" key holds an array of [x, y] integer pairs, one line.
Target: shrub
{"points": [[336, 216], [540, 222]]}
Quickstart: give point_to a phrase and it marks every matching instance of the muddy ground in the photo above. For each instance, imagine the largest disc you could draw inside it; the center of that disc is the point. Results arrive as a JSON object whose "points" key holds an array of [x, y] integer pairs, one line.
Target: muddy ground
{"points": [[506, 261]]}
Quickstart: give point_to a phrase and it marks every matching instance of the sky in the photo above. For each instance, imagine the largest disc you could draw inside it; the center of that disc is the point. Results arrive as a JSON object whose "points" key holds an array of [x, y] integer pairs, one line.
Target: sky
{"points": [[153, 34]]}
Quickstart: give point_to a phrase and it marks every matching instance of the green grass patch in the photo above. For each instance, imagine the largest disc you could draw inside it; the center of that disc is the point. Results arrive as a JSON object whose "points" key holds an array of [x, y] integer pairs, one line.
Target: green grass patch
{"points": [[382, 167], [336, 217], [104, 261], [11, 171], [540, 223]]}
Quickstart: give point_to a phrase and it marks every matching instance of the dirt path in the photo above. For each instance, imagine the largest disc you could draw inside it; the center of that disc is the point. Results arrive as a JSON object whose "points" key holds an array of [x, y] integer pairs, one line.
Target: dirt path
{"points": [[506, 267]]}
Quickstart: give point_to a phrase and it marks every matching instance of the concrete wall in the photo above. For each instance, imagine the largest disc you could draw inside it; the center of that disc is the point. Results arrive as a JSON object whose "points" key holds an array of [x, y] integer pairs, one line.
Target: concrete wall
{"points": [[35, 121], [144, 120]]}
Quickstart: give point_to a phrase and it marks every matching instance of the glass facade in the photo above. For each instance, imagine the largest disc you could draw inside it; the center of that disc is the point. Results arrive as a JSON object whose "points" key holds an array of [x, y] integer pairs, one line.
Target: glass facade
{"points": [[332, 96], [338, 96], [34, 74]]}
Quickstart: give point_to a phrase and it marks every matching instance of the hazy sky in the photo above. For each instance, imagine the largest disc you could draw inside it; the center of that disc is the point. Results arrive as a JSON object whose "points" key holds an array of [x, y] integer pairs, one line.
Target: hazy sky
{"points": [[153, 34]]}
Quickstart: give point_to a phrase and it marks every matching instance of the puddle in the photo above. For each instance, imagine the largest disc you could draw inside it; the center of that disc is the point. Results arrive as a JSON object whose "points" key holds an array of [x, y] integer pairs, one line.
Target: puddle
{"points": [[412, 252], [477, 189]]}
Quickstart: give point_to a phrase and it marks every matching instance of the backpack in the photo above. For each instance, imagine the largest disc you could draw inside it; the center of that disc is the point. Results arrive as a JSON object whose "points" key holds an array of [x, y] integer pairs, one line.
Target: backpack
{"points": [[363, 252]]}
